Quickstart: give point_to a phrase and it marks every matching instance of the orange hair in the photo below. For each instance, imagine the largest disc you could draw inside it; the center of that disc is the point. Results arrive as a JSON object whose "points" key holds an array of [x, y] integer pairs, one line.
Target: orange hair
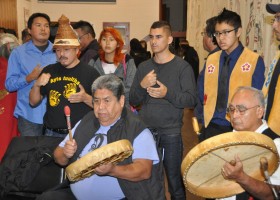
{"points": [[118, 54]]}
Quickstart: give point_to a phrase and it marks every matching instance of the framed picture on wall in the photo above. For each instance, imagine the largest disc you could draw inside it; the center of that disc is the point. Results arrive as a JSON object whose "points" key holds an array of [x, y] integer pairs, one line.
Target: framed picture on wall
{"points": [[123, 28]]}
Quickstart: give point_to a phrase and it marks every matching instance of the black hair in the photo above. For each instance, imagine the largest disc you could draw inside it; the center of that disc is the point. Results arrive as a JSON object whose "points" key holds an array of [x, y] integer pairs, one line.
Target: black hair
{"points": [[85, 26], [162, 24], [210, 29], [24, 34], [35, 15], [229, 17], [135, 46]]}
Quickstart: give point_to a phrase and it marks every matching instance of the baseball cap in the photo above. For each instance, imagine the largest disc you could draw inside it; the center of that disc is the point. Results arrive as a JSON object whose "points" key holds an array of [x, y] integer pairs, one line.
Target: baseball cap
{"points": [[273, 8]]}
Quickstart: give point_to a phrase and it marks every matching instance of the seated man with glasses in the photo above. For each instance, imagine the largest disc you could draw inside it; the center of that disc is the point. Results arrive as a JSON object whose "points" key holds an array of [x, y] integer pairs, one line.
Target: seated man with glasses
{"points": [[246, 111], [225, 70]]}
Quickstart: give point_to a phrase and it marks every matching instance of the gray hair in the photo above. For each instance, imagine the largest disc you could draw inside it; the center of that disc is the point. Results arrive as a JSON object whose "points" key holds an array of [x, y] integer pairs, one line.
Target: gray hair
{"points": [[110, 82], [256, 93], [8, 42]]}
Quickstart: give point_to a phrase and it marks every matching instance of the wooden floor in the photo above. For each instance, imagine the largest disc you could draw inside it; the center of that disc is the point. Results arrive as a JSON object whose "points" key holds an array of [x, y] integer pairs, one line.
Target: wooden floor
{"points": [[190, 139]]}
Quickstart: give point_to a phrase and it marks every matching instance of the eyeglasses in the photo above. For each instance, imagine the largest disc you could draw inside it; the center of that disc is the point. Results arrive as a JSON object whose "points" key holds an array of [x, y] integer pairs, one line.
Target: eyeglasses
{"points": [[239, 108], [82, 36], [223, 33], [276, 18]]}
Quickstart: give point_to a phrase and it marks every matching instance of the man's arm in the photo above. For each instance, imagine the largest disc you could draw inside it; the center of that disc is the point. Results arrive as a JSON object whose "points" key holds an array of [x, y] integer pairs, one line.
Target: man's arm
{"points": [[256, 188], [35, 96], [15, 78], [81, 96], [187, 97], [138, 90], [63, 154], [258, 75], [139, 170]]}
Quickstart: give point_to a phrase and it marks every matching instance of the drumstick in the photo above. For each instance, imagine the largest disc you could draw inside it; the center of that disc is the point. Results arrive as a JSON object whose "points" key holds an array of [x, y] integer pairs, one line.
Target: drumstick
{"points": [[67, 114], [195, 125], [264, 167], [232, 162]]}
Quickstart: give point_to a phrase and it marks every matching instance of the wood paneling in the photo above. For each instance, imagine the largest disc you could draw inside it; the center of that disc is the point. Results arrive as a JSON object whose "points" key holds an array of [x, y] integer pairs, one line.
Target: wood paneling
{"points": [[8, 14]]}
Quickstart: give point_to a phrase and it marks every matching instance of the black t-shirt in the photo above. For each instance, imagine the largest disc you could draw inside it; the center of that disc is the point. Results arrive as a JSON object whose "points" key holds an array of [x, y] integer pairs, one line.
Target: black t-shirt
{"points": [[62, 84]]}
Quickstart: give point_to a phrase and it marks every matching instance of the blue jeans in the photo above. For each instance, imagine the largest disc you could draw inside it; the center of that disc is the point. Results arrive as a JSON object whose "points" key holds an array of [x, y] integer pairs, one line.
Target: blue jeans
{"points": [[173, 152], [49, 132], [27, 128]]}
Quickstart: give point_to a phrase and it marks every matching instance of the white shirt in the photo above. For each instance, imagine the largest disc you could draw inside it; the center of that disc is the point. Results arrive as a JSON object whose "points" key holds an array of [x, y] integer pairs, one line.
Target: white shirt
{"points": [[109, 68]]}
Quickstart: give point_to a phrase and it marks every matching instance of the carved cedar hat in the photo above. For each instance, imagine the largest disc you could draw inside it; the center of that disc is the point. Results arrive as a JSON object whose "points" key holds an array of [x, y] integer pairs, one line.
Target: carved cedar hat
{"points": [[65, 36]]}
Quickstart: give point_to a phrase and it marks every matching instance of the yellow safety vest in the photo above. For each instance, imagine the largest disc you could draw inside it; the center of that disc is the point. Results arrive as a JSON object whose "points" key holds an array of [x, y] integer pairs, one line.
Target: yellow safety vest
{"points": [[241, 76]]}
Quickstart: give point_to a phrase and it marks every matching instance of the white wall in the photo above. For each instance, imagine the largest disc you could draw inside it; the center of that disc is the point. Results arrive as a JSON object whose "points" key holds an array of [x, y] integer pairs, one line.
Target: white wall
{"points": [[140, 13]]}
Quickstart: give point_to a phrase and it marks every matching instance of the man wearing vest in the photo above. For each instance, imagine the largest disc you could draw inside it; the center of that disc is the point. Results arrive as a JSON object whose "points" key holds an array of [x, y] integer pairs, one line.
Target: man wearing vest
{"points": [[138, 177], [272, 81], [224, 71], [246, 110]]}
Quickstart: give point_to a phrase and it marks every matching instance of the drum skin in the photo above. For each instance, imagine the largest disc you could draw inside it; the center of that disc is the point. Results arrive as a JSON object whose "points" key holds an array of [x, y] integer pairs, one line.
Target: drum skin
{"points": [[111, 153], [201, 168]]}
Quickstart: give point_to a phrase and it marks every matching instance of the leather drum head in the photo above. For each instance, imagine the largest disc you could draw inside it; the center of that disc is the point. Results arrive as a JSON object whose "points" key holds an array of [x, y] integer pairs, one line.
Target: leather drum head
{"points": [[111, 153], [201, 168]]}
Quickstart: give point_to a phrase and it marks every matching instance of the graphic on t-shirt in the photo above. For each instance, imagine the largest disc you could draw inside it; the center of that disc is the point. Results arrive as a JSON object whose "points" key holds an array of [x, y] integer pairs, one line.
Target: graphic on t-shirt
{"points": [[54, 98], [97, 140], [70, 88]]}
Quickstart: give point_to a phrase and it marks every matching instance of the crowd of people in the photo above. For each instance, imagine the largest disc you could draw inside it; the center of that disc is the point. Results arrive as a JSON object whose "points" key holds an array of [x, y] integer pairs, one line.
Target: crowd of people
{"points": [[102, 85]]}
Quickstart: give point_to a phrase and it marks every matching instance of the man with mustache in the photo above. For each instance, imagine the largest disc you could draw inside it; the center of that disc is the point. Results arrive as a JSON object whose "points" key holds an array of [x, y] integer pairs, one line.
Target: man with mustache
{"points": [[272, 81], [67, 82], [25, 65]]}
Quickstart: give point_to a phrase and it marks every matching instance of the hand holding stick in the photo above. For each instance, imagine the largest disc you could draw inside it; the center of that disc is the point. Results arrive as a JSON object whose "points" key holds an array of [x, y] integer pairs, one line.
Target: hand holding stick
{"points": [[195, 125], [67, 114], [264, 167]]}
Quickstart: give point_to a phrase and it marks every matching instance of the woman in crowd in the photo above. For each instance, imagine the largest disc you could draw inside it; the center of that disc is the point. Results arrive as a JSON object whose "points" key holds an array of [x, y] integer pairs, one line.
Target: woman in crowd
{"points": [[112, 60]]}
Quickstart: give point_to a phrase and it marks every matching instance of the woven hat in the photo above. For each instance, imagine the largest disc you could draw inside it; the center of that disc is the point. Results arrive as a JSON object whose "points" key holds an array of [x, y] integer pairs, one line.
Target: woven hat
{"points": [[65, 36]]}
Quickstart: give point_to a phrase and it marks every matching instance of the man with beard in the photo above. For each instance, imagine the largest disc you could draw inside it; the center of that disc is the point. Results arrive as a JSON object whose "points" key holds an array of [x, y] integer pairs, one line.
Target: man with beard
{"points": [[272, 81], [65, 83]]}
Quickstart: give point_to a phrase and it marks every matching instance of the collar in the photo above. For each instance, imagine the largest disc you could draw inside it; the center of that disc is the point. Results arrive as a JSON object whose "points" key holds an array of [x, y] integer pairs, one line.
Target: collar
{"points": [[235, 53], [263, 127]]}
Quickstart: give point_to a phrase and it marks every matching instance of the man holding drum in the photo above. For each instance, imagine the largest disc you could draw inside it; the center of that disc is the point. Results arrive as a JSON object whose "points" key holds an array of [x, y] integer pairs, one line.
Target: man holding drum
{"points": [[246, 111], [137, 177]]}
